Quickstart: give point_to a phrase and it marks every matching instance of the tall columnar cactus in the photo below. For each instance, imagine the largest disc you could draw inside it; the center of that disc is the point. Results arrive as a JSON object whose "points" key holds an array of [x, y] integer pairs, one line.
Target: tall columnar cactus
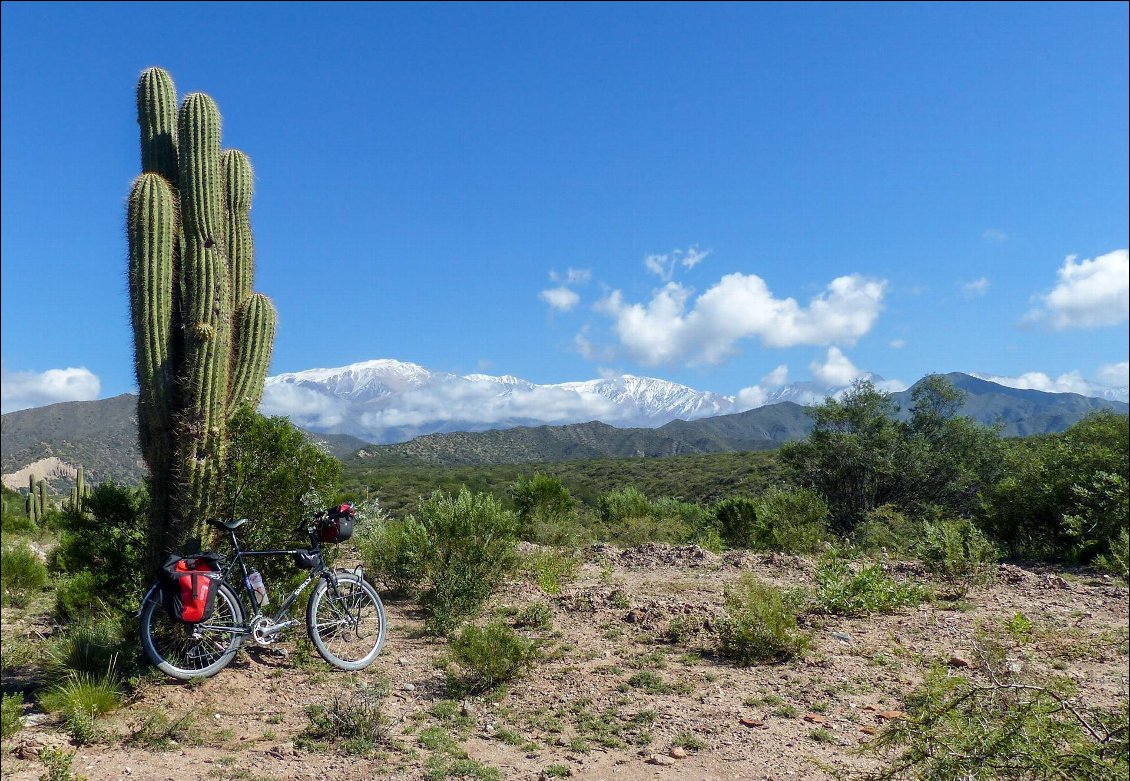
{"points": [[202, 339], [42, 486], [33, 504]]}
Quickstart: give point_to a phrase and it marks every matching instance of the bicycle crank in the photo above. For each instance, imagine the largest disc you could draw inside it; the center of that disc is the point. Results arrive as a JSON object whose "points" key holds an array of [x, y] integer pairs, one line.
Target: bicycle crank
{"points": [[265, 631]]}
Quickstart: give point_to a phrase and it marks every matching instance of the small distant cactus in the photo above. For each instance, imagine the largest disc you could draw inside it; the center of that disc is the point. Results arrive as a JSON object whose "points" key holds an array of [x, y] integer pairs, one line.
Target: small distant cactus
{"points": [[79, 492], [36, 502], [202, 338]]}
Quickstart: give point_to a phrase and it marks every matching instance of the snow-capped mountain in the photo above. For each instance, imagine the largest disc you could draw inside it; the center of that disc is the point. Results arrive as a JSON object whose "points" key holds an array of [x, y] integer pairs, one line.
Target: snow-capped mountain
{"points": [[390, 401]]}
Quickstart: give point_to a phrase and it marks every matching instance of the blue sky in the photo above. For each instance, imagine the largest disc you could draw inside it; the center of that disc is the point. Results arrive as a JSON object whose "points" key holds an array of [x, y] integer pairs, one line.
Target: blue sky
{"points": [[701, 193]]}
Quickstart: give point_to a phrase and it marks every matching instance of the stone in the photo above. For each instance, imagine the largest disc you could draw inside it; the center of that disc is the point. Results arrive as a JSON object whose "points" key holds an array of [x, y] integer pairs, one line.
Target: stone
{"points": [[408, 687], [958, 661], [868, 730], [746, 721], [659, 759], [892, 715], [467, 708], [677, 752], [814, 718], [402, 661]]}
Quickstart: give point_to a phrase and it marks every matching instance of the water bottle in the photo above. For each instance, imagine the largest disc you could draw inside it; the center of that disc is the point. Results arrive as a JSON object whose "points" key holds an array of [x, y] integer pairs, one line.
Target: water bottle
{"points": [[255, 581]]}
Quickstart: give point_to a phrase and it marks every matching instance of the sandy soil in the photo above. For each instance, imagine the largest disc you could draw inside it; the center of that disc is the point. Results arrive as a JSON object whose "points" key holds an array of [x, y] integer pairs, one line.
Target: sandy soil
{"points": [[586, 710]]}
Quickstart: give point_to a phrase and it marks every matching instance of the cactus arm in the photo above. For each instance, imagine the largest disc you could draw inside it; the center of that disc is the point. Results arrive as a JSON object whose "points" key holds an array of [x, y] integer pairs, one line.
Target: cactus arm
{"points": [[157, 116], [258, 322]]}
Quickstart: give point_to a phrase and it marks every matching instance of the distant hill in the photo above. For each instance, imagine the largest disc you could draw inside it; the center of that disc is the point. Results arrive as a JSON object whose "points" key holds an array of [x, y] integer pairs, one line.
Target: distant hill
{"points": [[102, 435]]}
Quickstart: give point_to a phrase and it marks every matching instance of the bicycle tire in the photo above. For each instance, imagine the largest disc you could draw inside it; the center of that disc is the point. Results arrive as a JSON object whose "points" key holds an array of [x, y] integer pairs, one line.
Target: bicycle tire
{"points": [[347, 631], [188, 651]]}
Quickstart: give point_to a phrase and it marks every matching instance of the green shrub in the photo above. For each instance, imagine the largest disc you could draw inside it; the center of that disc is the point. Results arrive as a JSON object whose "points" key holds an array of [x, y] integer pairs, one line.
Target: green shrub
{"points": [[1117, 561], [791, 520], [354, 718], [57, 764], [386, 551], [842, 591], [489, 657], [536, 615], [737, 520], [102, 548], [547, 512], [759, 626], [548, 569], [616, 507], [11, 708], [464, 547], [22, 574], [957, 552], [94, 647], [886, 530], [960, 729]]}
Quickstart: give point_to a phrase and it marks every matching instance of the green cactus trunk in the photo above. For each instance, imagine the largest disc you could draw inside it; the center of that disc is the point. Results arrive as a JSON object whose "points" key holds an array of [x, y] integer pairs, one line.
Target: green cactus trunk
{"points": [[202, 339], [42, 486]]}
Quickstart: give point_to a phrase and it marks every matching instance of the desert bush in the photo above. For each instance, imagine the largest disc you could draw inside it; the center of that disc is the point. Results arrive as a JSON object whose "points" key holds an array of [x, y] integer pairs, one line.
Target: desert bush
{"points": [[101, 550], [963, 729], [95, 647], [57, 765], [158, 731], [488, 657], [11, 708], [22, 574], [354, 718], [85, 693], [737, 520], [956, 551], [1065, 495], [844, 591], [535, 615], [790, 520], [1117, 561], [616, 507], [387, 554], [888, 531], [463, 548], [759, 626], [549, 569], [547, 512]]}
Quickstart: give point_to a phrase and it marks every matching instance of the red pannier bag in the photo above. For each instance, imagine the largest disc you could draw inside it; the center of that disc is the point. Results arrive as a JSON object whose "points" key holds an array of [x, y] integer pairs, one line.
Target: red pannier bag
{"points": [[189, 587], [336, 524]]}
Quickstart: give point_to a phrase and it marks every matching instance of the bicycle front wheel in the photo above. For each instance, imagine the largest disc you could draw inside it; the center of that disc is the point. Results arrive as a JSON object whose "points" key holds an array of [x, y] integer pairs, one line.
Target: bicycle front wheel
{"points": [[347, 628], [187, 651]]}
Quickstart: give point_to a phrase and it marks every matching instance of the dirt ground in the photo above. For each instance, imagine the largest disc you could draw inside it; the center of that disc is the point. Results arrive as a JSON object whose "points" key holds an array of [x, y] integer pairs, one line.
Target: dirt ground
{"points": [[613, 695]]}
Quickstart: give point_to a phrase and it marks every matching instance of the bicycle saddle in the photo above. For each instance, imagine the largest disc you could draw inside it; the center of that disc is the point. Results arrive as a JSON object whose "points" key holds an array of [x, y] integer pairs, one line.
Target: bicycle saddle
{"points": [[229, 525]]}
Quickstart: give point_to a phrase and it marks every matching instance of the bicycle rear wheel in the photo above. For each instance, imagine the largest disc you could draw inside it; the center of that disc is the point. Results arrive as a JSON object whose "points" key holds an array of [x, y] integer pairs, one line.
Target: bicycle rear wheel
{"points": [[348, 628], [187, 651]]}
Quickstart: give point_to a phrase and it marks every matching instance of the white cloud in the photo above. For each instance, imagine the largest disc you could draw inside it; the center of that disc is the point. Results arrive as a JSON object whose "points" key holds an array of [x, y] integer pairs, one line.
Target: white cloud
{"points": [[481, 403], [1112, 377], [836, 369], [23, 390], [663, 266], [739, 306], [976, 288], [305, 407], [758, 395], [897, 344], [560, 298], [1115, 375], [1090, 293], [994, 235]]}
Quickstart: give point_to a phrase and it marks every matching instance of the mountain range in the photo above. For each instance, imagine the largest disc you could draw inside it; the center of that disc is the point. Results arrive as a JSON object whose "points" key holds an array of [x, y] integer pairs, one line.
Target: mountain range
{"points": [[386, 411]]}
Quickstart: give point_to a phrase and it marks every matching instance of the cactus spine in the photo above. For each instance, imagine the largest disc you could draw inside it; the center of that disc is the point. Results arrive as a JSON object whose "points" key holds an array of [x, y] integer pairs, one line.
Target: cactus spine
{"points": [[202, 338]]}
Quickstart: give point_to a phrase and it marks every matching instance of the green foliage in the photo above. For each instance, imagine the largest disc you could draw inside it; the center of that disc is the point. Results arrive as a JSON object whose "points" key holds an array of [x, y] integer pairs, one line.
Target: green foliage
{"points": [[57, 764], [22, 574], [352, 717], [102, 550], [962, 729], [546, 510], [843, 591], [93, 647], [535, 615], [11, 708], [737, 520], [1117, 561], [456, 551], [790, 520], [958, 552], [277, 478], [86, 693], [158, 731], [390, 554], [1064, 495], [489, 657], [886, 530], [1019, 628], [14, 518], [549, 569], [759, 627], [859, 456]]}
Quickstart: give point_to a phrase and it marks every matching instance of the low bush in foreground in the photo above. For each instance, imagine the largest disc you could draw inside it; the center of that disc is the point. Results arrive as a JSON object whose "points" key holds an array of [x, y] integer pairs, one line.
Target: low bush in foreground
{"points": [[843, 591], [956, 551], [759, 626], [11, 707], [354, 718], [962, 729], [22, 574], [489, 657]]}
